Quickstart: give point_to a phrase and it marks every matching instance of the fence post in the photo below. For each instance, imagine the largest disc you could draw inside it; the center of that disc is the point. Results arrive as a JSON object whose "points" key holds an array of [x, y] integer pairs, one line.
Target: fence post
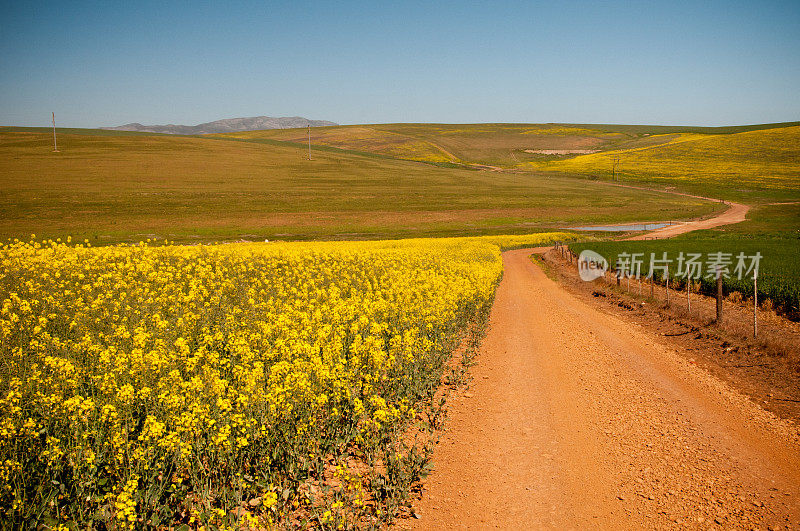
{"points": [[719, 295], [688, 292], [652, 286], [755, 303], [666, 283]]}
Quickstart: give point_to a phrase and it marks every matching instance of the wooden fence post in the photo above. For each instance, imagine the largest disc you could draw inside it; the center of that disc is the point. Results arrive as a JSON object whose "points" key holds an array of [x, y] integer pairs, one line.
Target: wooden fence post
{"points": [[688, 292], [719, 295], [755, 303], [666, 290]]}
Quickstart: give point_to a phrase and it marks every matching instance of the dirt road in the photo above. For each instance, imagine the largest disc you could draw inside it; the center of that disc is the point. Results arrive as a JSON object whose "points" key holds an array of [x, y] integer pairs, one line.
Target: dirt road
{"points": [[576, 419], [736, 213]]}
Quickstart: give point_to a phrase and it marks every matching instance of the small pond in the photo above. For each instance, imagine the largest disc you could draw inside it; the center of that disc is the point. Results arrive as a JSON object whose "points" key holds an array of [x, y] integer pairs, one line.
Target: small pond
{"points": [[623, 228]]}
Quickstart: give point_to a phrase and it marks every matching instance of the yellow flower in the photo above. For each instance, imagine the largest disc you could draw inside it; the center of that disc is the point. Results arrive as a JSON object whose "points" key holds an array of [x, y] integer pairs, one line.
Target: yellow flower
{"points": [[194, 366]]}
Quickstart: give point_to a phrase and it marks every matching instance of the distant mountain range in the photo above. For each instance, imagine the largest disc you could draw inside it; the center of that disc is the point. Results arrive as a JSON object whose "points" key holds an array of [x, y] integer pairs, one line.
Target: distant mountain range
{"points": [[229, 125]]}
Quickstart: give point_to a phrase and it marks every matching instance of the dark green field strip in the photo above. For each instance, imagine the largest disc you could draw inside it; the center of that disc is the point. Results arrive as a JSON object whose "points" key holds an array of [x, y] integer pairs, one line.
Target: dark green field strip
{"points": [[779, 271]]}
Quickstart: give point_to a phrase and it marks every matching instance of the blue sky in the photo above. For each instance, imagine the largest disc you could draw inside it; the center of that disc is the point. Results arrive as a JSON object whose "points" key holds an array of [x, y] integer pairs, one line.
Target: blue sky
{"points": [[109, 63]]}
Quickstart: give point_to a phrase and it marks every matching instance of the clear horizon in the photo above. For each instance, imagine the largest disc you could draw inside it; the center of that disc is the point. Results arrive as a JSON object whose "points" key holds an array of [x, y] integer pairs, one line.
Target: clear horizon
{"points": [[98, 65]]}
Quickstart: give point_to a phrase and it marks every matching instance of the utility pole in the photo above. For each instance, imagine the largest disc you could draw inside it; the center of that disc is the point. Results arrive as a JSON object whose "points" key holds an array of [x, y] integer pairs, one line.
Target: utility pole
{"points": [[309, 141], [614, 162], [55, 145]]}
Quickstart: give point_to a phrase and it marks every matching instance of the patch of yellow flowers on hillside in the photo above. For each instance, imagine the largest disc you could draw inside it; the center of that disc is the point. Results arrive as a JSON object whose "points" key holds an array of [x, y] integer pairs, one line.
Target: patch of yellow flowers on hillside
{"points": [[151, 385], [764, 159]]}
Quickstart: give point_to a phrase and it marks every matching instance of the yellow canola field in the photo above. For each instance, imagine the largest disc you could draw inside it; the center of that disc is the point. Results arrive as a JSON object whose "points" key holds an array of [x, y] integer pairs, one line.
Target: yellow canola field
{"points": [[765, 159], [157, 385]]}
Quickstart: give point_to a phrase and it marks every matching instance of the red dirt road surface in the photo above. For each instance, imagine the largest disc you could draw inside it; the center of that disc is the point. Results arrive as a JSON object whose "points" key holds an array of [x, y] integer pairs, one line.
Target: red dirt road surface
{"points": [[577, 419]]}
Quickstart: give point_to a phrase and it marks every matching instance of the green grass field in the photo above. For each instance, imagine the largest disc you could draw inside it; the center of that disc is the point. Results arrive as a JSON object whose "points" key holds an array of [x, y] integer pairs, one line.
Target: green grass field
{"points": [[114, 187]]}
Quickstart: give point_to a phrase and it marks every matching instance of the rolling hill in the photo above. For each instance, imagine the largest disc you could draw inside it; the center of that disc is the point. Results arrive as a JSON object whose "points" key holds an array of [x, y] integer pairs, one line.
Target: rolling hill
{"points": [[751, 166], [110, 186], [484, 144], [755, 162]]}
